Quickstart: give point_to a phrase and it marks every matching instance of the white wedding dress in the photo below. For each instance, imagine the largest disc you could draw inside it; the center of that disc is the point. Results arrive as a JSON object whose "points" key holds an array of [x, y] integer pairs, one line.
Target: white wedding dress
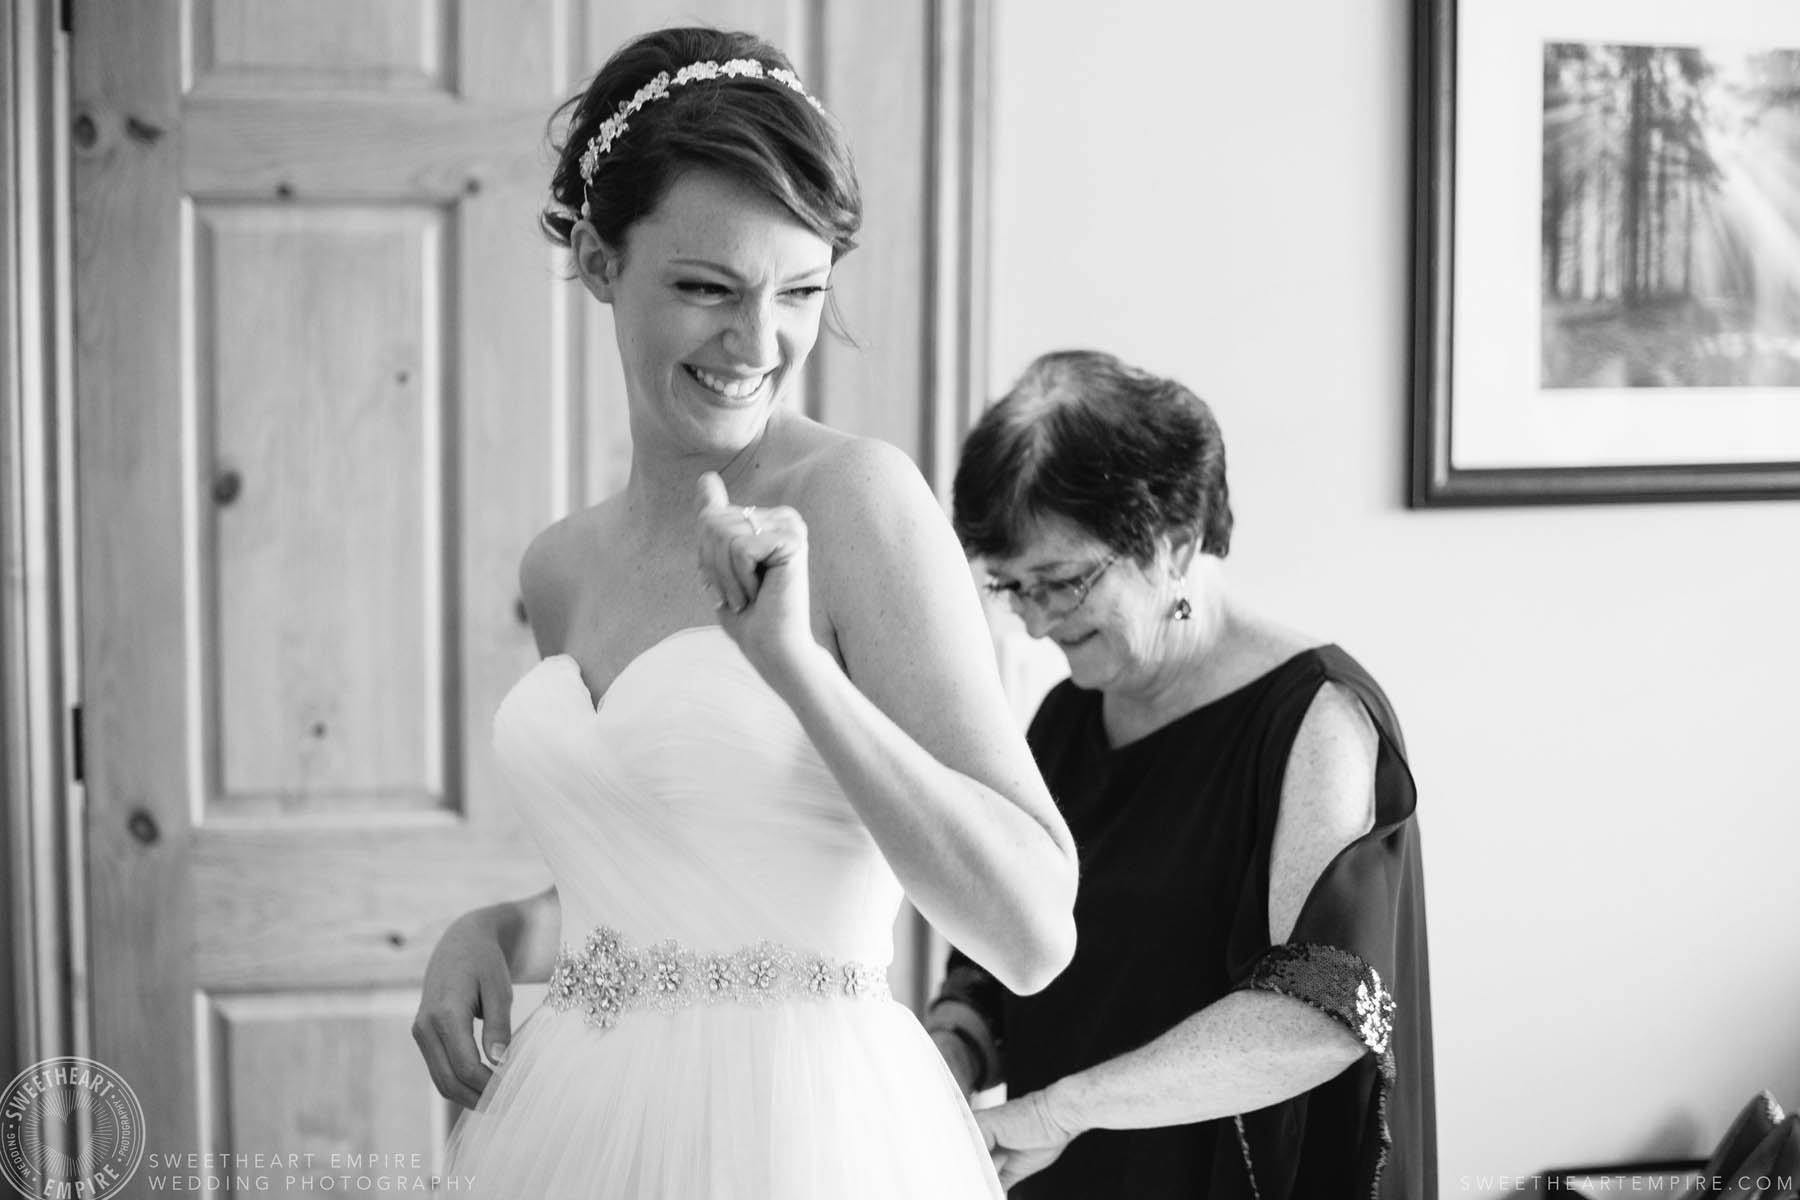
{"points": [[719, 1024]]}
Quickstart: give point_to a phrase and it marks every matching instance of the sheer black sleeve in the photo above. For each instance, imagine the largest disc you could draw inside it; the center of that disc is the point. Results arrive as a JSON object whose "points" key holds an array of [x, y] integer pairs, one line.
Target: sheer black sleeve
{"points": [[1358, 954]]}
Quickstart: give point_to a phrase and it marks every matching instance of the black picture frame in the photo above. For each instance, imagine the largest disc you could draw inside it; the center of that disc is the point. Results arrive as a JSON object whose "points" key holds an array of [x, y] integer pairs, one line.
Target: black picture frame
{"points": [[1437, 478]]}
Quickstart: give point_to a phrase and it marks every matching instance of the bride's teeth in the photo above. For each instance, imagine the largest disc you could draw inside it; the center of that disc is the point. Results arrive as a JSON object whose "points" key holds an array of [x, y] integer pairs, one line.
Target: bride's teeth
{"points": [[741, 389]]}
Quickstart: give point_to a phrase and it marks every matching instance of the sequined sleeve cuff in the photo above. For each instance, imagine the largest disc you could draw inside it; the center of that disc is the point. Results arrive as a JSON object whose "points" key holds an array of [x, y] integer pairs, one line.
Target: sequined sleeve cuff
{"points": [[1337, 983]]}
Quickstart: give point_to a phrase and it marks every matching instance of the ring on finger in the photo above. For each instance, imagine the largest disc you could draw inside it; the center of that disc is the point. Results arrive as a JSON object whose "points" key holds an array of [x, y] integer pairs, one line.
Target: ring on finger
{"points": [[750, 516]]}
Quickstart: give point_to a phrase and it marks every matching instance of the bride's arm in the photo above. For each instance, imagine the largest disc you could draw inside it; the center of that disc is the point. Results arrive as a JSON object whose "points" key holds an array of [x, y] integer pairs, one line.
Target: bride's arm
{"points": [[470, 975], [919, 733], [529, 933], [472, 969]]}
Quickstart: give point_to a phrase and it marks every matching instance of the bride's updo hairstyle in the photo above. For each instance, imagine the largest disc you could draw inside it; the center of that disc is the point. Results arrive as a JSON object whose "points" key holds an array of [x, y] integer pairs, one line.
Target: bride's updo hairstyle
{"points": [[753, 123]]}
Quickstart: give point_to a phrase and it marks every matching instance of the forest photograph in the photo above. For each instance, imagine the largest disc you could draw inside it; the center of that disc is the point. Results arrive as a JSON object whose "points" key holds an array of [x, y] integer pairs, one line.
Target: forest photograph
{"points": [[1670, 217]]}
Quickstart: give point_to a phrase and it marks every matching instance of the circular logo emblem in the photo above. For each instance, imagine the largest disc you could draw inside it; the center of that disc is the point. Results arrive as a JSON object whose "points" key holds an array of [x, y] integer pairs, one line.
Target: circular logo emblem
{"points": [[70, 1128]]}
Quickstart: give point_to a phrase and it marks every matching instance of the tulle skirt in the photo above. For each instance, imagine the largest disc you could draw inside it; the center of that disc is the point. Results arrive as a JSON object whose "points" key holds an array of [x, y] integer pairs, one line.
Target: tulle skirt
{"points": [[805, 1100]]}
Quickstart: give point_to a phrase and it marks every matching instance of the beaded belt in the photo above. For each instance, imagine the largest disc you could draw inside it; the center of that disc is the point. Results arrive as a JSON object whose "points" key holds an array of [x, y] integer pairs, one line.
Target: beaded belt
{"points": [[609, 976]]}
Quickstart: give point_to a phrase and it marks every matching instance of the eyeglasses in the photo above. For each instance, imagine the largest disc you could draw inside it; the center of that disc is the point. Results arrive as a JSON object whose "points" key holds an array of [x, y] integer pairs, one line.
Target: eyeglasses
{"points": [[1054, 598]]}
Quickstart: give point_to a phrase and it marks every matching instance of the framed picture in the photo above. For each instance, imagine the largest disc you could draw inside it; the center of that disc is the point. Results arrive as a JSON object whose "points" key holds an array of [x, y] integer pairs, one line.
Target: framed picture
{"points": [[1607, 256]]}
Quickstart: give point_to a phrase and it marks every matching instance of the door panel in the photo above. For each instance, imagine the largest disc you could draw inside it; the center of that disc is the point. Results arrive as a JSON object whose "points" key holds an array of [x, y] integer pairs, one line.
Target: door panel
{"points": [[325, 695], [349, 1083], [325, 45]]}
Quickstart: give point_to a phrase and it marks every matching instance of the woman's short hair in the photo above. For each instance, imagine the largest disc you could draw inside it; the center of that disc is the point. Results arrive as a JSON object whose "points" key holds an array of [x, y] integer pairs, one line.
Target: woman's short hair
{"points": [[1123, 454], [755, 129]]}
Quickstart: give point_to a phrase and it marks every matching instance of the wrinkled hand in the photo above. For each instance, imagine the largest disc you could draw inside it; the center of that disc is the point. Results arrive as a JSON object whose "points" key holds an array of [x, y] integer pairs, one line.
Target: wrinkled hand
{"points": [[1024, 1136], [466, 978], [753, 561]]}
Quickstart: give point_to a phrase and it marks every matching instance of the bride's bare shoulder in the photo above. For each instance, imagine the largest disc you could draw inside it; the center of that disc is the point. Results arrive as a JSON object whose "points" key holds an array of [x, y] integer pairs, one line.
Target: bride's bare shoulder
{"points": [[559, 545], [870, 514], [563, 554], [848, 474]]}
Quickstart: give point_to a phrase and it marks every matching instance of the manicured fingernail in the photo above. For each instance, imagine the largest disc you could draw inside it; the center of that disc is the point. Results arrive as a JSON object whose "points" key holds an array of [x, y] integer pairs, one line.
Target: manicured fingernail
{"points": [[497, 1052]]}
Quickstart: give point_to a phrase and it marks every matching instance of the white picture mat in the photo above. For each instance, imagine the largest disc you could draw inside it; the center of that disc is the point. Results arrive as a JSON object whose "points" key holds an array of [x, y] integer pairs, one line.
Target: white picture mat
{"points": [[1501, 416]]}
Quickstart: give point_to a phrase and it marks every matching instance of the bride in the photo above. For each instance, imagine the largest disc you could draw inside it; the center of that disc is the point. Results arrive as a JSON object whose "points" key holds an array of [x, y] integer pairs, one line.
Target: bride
{"points": [[736, 772]]}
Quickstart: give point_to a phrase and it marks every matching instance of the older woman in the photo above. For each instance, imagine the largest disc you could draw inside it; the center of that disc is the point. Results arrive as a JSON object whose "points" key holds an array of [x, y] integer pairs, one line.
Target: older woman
{"points": [[1247, 1013]]}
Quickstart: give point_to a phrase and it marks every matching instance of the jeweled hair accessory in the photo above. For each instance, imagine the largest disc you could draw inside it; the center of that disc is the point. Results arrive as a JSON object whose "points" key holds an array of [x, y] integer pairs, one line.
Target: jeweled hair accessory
{"points": [[658, 88]]}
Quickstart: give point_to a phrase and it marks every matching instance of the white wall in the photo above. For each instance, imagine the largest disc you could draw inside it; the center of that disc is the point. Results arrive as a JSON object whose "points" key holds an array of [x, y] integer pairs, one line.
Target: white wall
{"points": [[1600, 701]]}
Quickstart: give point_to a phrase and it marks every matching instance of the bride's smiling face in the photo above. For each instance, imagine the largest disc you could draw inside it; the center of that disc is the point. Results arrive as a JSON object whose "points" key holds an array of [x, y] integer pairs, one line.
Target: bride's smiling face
{"points": [[716, 299]]}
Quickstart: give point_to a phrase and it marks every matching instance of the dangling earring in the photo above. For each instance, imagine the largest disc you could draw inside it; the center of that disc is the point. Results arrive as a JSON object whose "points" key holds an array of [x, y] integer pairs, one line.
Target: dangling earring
{"points": [[1183, 610]]}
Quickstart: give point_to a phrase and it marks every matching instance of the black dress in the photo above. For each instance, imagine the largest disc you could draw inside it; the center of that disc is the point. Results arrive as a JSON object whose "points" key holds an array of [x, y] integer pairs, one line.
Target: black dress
{"points": [[1174, 832]]}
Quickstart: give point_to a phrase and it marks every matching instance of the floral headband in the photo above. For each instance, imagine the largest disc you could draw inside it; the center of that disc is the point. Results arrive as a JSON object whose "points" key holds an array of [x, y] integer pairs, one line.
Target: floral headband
{"points": [[658, 88]]}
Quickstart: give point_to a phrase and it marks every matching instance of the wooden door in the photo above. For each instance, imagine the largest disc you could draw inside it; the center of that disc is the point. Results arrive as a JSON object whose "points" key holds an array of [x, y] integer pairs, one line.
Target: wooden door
{"points": [[317, 406], [329, 383]]}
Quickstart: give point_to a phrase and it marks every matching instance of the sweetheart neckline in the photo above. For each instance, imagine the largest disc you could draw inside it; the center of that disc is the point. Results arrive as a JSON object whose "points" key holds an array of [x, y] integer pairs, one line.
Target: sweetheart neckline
{"points": [[596, 703]]}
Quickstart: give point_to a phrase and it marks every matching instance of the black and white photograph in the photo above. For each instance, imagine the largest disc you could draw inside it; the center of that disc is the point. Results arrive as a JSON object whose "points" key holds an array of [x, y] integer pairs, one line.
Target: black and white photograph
{"points": [[1671, 217], [924, 600]]}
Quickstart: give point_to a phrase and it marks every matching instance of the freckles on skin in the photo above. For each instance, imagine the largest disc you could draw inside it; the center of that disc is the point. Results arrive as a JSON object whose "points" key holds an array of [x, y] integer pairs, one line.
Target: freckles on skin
{"points": [[711, 281]]}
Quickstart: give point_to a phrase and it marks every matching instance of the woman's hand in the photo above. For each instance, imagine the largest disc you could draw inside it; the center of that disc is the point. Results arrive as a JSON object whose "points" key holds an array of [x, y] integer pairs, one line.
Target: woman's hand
{"points": [[1024, 1136], [466, 978], [754, 561]]}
